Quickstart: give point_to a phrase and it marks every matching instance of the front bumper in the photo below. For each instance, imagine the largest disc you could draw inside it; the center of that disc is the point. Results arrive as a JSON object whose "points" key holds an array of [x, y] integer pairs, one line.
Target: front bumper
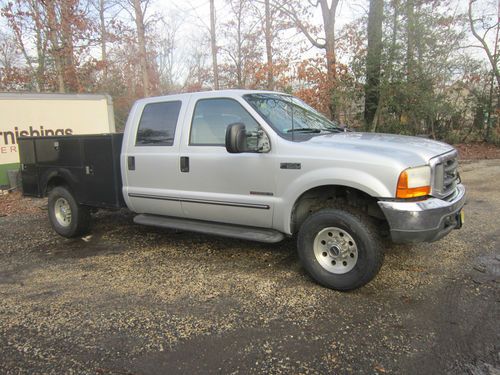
{"points": [[424, 221]]}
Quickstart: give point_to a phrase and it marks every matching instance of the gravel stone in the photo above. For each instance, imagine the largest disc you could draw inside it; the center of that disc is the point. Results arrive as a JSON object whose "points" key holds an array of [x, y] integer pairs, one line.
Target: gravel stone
{"points": [[137, 300]]}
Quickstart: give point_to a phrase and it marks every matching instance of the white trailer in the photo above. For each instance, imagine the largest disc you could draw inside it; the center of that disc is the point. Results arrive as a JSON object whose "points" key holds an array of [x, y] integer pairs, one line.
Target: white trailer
{"points": [[28, 114]]}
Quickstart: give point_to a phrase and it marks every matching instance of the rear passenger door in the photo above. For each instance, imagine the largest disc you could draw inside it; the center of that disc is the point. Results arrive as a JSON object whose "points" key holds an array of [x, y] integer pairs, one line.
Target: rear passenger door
{"points": [[151, 160]]}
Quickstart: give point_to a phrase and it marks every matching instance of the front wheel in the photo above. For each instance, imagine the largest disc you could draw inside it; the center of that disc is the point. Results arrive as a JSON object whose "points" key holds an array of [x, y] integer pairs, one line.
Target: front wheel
{"points": [[67, 217], [340, 248]]}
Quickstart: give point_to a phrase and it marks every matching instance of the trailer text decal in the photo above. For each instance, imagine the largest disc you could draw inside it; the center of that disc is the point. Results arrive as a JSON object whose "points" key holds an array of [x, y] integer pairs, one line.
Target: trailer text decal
{"points": [[8, 139]]}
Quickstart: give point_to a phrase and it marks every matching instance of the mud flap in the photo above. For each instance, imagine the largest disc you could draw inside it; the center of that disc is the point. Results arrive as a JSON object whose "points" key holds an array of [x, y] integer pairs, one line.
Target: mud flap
{"points": [[460, 219]]}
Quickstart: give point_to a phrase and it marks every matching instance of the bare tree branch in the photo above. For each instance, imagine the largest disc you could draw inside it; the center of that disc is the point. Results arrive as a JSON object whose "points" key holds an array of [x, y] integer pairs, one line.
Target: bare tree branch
{"points": [[293, 15], [492, 58]]}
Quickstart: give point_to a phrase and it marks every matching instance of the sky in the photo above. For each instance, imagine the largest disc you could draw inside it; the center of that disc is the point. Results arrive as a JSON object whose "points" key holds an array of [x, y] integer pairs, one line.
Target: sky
{"points": [[198, 11], [193, 19], [196, 15], [346, 10]]}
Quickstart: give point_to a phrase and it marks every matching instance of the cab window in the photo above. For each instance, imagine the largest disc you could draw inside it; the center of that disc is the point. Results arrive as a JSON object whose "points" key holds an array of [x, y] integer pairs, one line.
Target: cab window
{"points": [[211, 118], [158, 123]]}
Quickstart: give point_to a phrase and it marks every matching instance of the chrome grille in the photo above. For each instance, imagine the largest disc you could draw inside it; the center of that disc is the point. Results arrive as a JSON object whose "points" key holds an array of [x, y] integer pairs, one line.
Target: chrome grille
{"points": [[445, 176]]}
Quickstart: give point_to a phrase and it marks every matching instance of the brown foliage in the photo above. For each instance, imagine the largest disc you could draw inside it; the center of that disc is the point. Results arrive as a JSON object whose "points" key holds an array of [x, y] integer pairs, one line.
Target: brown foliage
{"points": [[112, 46], [477, 151]]}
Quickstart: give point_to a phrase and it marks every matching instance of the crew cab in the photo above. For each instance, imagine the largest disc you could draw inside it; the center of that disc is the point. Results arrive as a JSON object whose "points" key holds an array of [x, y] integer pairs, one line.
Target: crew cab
{"points": [[258, 166]]}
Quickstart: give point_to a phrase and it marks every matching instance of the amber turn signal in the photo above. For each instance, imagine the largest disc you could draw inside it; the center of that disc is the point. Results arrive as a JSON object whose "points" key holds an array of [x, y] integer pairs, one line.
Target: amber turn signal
{"points": [[406, 187]]}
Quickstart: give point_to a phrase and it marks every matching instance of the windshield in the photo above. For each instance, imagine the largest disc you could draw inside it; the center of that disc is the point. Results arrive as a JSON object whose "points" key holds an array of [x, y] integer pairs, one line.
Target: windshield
{"points": [[288, 115]]}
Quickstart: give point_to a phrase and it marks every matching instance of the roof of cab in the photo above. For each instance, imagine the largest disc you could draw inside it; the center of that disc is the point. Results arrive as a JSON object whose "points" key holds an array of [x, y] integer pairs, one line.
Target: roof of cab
{"points": [[208, 94]]}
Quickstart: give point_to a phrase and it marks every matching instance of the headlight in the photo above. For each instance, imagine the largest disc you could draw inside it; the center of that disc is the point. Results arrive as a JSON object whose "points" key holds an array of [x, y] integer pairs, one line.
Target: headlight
{"points": [[414, 182]]}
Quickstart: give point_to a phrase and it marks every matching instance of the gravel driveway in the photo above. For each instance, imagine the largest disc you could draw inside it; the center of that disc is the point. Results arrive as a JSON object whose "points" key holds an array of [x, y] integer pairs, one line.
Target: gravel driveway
{"points": [[139, 300]]}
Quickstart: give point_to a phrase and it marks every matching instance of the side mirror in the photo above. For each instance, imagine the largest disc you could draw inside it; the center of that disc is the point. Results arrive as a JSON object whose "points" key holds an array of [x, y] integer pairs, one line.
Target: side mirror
{"points": [[236, 138]]}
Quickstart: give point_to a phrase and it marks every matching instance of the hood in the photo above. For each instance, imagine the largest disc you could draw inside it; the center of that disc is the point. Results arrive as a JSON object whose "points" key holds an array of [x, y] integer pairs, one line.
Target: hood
{"points": [[404, 148]]}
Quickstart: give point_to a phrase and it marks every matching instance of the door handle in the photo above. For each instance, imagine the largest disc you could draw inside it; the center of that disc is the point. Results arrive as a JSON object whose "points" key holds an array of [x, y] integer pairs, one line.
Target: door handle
{"points": [[131, 163], [184, 164]]}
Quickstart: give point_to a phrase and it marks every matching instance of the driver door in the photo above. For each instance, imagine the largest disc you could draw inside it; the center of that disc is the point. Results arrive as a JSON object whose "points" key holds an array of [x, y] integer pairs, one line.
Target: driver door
{"points": [[219, 186]]}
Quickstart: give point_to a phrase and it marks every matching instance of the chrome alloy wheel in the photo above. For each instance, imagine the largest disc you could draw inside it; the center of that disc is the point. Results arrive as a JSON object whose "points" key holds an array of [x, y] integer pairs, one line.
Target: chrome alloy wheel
{"points": [[62, 212], [335, 250]]}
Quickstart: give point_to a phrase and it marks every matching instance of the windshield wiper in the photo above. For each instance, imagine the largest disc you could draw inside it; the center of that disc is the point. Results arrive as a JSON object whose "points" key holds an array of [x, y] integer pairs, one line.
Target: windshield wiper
{"points": [[334, 130], [304, 130], [315, 130]]}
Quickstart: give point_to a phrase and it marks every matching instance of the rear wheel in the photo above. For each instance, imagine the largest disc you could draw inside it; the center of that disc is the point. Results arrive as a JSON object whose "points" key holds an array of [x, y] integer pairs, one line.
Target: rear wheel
{"points": [[67, 217], [340, 248]]}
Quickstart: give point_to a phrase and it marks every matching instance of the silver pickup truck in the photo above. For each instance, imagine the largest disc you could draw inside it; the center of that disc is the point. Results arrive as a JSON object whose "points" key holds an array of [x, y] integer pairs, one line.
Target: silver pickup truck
{"points": [[259, 166]]}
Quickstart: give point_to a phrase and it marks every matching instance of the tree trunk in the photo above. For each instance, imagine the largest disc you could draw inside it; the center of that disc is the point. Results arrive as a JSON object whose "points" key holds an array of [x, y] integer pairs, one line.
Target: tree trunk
{"points": [[411, 65], [67, 20], [213, 43], [239, 70], [373, 60], [55, 50], [104, 52], [492, 57], [268, 32], [410, 48], [394, 38], [141, 40], [433, 130], [41, 46], [388, 73], [328, 14]]}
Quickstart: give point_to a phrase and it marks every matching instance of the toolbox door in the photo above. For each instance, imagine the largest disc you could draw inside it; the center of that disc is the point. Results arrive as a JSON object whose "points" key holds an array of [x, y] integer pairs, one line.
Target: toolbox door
{"points": [[99, 177], [29, 170]]}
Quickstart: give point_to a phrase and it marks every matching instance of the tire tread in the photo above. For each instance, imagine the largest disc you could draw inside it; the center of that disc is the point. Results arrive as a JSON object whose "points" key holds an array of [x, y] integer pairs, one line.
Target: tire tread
{"points": [[371, 231], [80, 222]]}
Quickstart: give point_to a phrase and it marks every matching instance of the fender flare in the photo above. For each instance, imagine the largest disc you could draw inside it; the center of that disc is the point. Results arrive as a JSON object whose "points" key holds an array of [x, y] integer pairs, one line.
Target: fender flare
{"points": [[62, 173], [358, 180]]}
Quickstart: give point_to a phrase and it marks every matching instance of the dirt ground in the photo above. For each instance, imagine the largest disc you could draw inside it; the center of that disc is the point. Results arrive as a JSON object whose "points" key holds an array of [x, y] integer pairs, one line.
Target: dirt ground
{"points": [[139, 300], [477, 151]]}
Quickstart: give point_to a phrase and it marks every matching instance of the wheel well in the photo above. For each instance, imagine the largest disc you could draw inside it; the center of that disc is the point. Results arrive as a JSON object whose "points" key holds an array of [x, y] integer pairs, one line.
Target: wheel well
{"points": [[54, 182], [331, 196]]}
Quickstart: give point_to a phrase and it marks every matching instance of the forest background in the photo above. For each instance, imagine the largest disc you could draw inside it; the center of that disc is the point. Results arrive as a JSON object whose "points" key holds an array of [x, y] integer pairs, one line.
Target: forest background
{"points": [[417, 67]]}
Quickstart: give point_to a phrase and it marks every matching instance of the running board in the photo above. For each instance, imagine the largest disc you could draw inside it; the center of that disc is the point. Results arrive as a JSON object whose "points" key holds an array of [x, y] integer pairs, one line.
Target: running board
{"points": [[207, 227]]}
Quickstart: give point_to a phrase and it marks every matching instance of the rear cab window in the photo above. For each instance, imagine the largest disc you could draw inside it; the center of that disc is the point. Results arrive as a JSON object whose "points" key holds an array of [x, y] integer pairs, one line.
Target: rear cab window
{"points": [[158, 124]]}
